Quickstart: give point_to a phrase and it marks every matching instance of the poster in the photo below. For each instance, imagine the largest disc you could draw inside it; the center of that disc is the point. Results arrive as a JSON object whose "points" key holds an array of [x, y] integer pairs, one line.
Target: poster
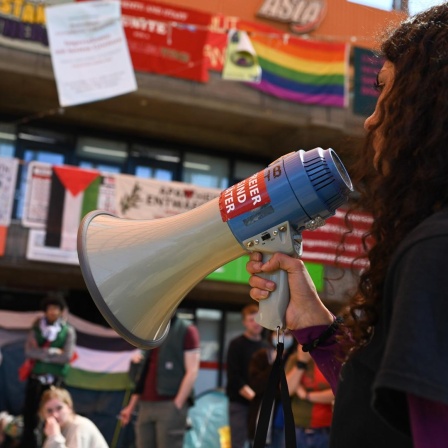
{"points": [[89, 52]]}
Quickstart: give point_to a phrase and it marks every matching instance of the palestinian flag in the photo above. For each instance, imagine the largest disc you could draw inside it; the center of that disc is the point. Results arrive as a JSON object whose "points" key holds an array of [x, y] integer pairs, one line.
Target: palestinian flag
{"points": [[73, 193], [103, 358]]}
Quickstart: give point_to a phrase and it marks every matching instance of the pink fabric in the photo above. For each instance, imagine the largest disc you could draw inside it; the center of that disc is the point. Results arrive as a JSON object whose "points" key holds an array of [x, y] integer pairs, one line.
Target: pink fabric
{"points": [[429, 422], [324, 355]]}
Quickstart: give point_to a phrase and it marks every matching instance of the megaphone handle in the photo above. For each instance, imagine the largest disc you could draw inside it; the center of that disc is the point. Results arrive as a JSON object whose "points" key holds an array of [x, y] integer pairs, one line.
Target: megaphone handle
{"points": [[271, 311]]}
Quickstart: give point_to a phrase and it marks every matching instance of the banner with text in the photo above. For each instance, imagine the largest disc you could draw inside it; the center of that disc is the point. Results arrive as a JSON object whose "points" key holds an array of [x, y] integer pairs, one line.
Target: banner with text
{"points": [[366, 67], [138, 198], [166, 39], [8, 178], [22, 24]]}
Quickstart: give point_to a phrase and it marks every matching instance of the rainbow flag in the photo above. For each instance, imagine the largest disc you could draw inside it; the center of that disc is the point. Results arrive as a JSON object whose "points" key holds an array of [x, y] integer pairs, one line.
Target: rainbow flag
{"points": [[303, 71]]}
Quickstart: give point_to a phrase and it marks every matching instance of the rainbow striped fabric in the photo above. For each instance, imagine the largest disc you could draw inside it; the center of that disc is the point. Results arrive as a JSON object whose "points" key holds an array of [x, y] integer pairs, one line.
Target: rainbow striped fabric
{"points": [[303, 71]]}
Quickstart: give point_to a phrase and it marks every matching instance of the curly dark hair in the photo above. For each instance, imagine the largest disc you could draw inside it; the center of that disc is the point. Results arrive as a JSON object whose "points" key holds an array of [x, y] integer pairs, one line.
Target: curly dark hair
{"points": [[411, 178], [53, 298]]}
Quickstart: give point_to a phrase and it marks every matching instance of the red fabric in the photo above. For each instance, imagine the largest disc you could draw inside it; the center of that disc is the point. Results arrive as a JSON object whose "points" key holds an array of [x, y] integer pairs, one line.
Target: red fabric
{"points": [[321, 414], [167, 39], [75, 179], [323, 244], [3, 235], [28, 365], [25, 369]]}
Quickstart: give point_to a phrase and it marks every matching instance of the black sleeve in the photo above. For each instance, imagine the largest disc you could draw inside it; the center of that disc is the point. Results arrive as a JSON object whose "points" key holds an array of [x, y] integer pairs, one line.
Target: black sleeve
{"points": [[259, 371], [415, 359], [235, 367]]}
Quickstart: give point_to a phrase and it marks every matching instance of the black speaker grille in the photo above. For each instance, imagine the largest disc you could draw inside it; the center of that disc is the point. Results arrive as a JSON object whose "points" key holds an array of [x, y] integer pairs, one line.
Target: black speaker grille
{"points": [[324, 183]]}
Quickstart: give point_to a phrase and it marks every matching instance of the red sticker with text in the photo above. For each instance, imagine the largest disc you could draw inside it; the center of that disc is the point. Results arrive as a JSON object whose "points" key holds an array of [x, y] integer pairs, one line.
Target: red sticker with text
{"points": [[243, 197]]}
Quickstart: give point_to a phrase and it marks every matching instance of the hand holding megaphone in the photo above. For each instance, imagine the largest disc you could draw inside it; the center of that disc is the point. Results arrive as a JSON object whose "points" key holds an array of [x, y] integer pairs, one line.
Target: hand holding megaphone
{"points": [[138, 271]]}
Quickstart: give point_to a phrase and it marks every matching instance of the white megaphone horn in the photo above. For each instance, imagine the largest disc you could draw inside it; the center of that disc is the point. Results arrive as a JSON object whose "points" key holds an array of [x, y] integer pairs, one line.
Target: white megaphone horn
{"points": [[138, 271]]}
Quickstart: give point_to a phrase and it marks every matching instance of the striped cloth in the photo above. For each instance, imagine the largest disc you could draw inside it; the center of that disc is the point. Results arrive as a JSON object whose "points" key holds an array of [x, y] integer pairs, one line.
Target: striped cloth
{"points": [[299, 70], [103, 360]]}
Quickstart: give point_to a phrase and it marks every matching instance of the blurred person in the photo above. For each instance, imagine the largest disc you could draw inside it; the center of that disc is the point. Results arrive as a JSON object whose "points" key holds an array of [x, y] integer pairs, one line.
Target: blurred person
{"points": [[48, 350], [63, 428], [311, 400], [164, 390], [10, 430], [260, 367], [238, 391], [386, 359]]}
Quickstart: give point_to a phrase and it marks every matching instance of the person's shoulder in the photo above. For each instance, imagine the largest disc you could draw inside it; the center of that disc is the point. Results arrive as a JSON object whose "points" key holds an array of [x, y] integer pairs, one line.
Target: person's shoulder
{"points": [[80, 420], [89, 430], [434, 227], [70, 327], [235, 343], [192, 331], [191, 338], [84, 424], [247, 344], [36, 322], [237, 339], [70, 332]]}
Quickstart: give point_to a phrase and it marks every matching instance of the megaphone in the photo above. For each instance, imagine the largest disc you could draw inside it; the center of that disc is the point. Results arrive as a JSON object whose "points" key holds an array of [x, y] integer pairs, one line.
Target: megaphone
{"points": [[138, 271]]}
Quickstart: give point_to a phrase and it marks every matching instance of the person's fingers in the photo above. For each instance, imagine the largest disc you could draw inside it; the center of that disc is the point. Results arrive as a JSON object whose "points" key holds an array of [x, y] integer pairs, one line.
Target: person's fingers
{"points": [[282, 261], [260, 287], [258, 294], [255, 256], [51, 426], [124, 421], [258, 282], [253, 266], [124, 417]]}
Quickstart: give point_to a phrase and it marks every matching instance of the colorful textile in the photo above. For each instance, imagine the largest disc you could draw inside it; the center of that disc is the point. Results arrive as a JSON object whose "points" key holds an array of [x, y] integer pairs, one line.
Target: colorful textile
{"points": [[73, 193], [103, 357], [302, 71]]}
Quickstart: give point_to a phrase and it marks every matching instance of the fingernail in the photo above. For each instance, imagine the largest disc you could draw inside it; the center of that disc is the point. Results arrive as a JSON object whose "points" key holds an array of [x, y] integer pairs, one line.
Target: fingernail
{"points": [[270, 286], [264, 294]]}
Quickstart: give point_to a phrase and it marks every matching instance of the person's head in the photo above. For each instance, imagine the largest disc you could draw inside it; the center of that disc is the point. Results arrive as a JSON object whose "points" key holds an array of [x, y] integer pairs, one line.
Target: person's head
{"points": [[56, 402], [253, 329], [401, 173], [53, 306], [411, 110]]}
